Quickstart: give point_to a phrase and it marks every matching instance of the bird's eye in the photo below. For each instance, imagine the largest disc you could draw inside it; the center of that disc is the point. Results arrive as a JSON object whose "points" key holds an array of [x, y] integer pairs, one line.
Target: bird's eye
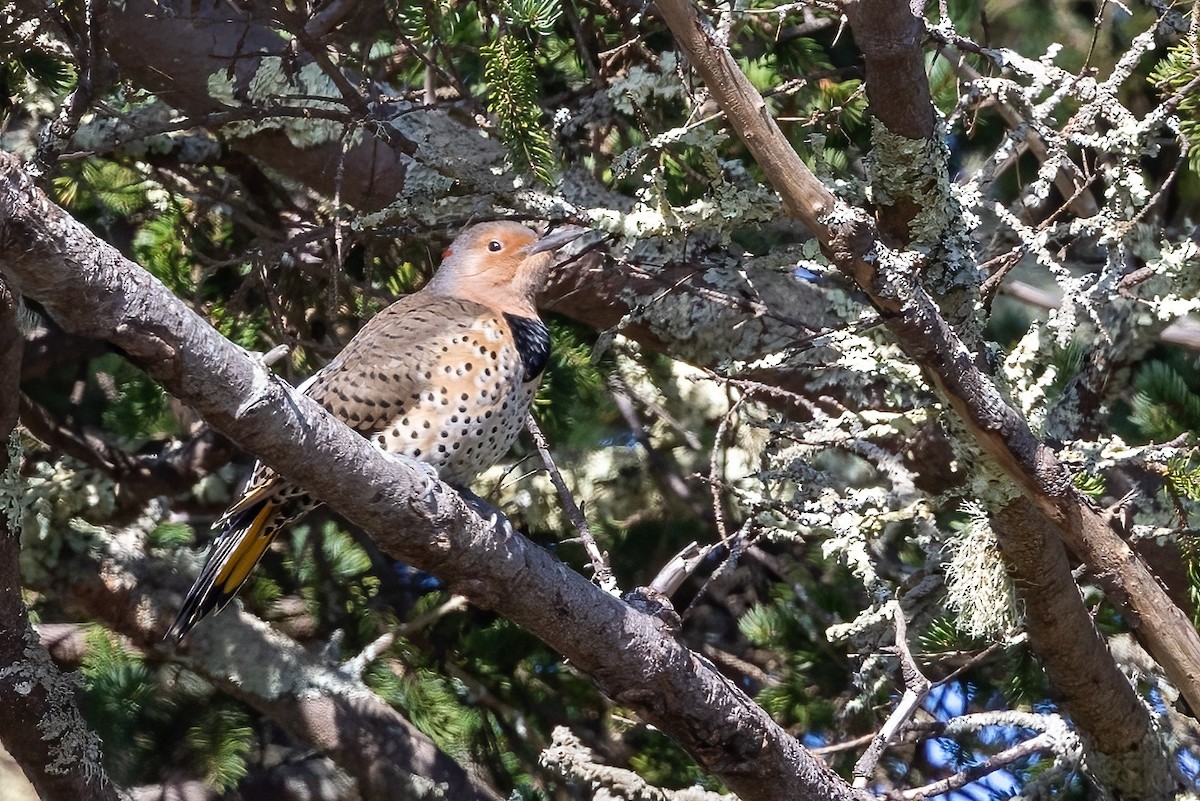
{"points": [[495, 246]]}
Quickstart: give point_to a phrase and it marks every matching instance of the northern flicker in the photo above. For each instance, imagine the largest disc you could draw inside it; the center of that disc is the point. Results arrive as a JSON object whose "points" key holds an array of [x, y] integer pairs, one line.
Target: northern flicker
{"points": [[444, 375]]}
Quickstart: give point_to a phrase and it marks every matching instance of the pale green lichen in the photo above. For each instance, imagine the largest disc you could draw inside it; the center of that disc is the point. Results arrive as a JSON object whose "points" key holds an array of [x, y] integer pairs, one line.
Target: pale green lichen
{"points": [[978, 588], [275, 84], [641, 88], [56, 498], [914, 171], [1028, 378], [911, 170], [12, 488], [73, 746]]}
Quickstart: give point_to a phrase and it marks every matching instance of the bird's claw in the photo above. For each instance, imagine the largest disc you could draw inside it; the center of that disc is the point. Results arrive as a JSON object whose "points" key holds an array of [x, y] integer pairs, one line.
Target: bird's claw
{"points": [[495, 520], [427, 474]]}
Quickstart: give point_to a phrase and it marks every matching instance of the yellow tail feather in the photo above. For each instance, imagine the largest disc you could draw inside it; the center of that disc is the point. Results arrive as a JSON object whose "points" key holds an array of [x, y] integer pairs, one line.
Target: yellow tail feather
{"points": [[249, 549]]}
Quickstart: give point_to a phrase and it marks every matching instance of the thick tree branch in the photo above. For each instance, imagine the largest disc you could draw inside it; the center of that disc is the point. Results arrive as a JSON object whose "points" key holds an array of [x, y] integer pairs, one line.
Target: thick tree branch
{"points": [[40, 723], [316, 702], [90, 289], [888, 278], [1074, 654], [175, 49]]}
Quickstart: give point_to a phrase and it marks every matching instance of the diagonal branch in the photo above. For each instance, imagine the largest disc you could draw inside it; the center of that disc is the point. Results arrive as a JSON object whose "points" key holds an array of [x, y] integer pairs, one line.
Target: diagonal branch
{"points": [[91, 289], [317, 702], [888, 277]]}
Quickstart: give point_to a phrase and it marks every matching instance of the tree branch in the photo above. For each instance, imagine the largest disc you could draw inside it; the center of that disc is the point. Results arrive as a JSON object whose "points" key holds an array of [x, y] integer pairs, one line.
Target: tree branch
{"points": [[889, 279], [40, 723], [90, 289]]}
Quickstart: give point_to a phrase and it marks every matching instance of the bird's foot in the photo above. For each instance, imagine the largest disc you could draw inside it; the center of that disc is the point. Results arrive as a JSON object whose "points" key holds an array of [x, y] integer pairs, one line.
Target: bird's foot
{"points": [[494, 517], [427, 474], [261, 379]]}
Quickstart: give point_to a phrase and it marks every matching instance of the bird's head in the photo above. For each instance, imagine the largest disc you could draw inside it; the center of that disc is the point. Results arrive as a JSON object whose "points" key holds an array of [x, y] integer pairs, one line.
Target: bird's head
{"points": [[500, 264]]}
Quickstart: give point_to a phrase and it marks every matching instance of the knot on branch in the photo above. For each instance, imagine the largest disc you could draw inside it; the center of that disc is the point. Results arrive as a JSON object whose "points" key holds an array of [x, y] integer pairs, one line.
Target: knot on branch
{"points": [[153, 352], [852, 242], [650, 601]]}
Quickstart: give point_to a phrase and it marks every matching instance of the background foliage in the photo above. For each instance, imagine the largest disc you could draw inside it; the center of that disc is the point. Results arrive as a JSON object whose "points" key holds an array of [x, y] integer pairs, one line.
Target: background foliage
{"points": [[836, 495]]}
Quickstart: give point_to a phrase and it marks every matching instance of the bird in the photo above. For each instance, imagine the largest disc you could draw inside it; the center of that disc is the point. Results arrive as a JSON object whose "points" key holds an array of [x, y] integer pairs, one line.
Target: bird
{"points": [[444, 375]]}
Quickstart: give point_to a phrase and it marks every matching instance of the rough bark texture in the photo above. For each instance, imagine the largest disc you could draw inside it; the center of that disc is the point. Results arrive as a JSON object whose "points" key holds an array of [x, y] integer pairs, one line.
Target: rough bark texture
{"points": [[1062, 633], [302, 692], [40, 724], [92, 290], [889, 36], [999, 430]]}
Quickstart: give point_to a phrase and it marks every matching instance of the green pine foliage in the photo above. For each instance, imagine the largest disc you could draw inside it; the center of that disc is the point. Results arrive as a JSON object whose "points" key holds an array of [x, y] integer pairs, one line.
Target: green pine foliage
{"points": [[1164, 405], [140, 409], [137, 708], [158, 247], [107, 187], [222, 738], [1183, 478], [1174, 77], [512, 84], [573, 406], [242, 329], [118, 700], [1090, 484], [332, 573], [795, 698], [435, 704], [663, 764], [536, 15], [1182, 487], [35, 67], [171, 536]]}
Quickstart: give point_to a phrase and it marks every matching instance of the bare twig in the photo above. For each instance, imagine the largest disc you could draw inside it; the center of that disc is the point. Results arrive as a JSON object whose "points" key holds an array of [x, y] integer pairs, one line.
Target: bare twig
{"points": [[1034, 745], [329, 17], [715, 481], [916, 688], [377, 647], [1184, 332], [601, 572]]}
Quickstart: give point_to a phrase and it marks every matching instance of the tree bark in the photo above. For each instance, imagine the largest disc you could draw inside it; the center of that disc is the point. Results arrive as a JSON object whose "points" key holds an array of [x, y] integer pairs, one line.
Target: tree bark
{"points": [[888, 277], [634, 657], [40, 724]]}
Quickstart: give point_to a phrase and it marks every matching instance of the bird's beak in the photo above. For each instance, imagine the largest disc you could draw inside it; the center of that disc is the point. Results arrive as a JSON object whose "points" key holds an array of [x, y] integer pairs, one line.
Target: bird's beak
{"points": [[557, 238]]}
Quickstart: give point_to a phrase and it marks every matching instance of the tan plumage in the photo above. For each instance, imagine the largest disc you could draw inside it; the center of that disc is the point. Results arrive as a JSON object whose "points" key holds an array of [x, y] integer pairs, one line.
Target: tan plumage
{"points": [[444, 375]]}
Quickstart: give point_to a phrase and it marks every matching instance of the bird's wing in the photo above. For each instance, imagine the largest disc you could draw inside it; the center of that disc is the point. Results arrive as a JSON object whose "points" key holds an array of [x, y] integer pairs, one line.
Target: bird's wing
{"points": [[381, 371], [264, 483], [394, 358]]}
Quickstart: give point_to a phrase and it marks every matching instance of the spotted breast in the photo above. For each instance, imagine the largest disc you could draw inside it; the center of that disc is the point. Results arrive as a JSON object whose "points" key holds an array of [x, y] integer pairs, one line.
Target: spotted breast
{"points": [[445, 375]]}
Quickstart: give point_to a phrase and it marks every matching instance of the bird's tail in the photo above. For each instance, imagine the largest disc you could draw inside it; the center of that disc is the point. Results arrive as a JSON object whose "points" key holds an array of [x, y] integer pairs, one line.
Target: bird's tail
{"points": [[241, 544]]}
